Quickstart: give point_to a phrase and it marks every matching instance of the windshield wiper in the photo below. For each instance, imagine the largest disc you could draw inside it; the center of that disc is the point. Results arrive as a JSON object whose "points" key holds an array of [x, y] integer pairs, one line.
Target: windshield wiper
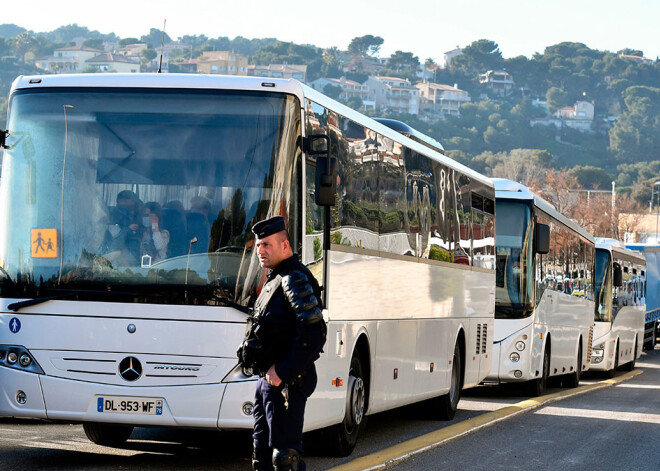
{"points": [[230, 303], [32, 302]]}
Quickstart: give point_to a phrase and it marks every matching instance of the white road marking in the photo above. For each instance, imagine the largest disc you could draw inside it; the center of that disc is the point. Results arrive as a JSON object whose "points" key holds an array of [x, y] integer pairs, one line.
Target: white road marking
{"points": [[600, 414]]}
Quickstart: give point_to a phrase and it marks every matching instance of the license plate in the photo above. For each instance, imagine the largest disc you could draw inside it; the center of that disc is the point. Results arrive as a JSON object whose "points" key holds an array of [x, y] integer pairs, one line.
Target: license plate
{"points": [[129, 405]]}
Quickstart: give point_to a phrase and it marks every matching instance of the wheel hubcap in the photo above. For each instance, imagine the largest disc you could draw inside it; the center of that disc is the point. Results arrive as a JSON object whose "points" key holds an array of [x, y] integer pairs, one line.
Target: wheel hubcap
{"points": [[356, 401]]}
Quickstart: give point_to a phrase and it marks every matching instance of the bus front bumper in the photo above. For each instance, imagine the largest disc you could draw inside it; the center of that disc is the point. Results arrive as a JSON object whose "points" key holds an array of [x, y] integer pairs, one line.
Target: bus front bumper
{"points": [[219, 406]]}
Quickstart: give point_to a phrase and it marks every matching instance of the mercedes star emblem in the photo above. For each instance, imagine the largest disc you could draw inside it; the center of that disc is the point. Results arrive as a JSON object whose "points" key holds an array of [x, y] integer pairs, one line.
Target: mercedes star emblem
{"points": [[130, 368]]}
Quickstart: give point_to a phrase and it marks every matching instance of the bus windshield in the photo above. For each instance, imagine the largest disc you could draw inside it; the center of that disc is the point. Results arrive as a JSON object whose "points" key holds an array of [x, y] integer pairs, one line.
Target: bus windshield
{"points": [[603, 285], [515, 270], [144, 195]]}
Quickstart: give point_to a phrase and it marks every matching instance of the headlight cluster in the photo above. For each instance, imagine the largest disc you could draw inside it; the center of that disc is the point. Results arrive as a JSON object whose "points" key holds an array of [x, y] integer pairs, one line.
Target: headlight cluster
{"points": [[515, 356], [18, 358], [598, 353], [239, 374]]}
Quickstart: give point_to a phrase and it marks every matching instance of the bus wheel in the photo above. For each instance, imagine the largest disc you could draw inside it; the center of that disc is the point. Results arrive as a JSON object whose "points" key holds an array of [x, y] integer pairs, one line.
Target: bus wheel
{"points": [[344, 435], [107, 434], [610, 373], [447, 404], [573, 379], [631, 364], [538, 386]]}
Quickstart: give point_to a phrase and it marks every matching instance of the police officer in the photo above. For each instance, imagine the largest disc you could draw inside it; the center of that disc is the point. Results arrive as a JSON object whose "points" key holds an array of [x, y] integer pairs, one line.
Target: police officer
{"points": [[285, 335]]}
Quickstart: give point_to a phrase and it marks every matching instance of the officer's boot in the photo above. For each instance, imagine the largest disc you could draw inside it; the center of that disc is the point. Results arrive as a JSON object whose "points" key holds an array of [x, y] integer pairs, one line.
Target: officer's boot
{"points": [[288, 459], [262, 459]]}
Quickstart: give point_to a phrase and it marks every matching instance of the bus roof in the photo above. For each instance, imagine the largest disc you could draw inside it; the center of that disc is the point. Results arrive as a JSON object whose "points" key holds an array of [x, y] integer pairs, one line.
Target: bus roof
{"points": [[230, 82], [169, 81], [384, 130], [509, 189], [619, 248]]}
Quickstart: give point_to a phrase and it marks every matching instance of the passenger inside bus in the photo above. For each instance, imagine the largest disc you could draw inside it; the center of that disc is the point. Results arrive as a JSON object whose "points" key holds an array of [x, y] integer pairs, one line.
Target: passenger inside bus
{"points": [[122, 241], [155, 239]]}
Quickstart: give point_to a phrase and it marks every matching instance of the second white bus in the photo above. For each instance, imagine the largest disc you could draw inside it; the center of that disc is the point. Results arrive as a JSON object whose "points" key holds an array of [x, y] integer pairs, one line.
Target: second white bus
{"points": [[544, 298]]}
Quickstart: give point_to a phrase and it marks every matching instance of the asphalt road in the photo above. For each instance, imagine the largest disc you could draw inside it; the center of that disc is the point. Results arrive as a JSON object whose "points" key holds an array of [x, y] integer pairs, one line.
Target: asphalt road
{"points": [[613, 428], [616, 428]]}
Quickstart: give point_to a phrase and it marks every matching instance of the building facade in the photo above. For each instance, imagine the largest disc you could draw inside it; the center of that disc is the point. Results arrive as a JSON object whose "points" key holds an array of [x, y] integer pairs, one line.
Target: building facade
{"points": [[298, 72], [441, 100], [349, 88], [68, 60], [580, 116], [108, 62], [498, 81], [393, 94], [223, 63]]}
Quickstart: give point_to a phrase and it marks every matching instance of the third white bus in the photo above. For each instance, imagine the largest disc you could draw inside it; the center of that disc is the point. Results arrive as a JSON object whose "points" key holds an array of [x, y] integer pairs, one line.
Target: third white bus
{"points": [[621, 307]]}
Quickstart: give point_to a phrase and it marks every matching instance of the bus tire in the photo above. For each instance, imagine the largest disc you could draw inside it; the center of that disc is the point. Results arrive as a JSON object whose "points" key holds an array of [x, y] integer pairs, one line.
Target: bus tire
{"points": [[631, 364], [107, 434], [342, 438], [610, 373], [573, 379], [537, 387], [446, 405]]}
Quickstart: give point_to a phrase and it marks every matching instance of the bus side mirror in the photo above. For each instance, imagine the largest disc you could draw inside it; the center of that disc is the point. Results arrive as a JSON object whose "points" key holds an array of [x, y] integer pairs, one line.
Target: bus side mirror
{"points": [[618, 278], [326, 169], [542, 238]]}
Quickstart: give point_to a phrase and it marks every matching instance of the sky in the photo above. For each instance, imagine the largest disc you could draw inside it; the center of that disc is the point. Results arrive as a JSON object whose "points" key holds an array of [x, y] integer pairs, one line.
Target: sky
{"points": [[427, 28]]}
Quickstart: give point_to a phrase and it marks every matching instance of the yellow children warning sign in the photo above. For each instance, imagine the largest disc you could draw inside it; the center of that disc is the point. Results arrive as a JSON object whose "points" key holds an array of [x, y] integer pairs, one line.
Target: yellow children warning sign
{"points": [[44, 243]]}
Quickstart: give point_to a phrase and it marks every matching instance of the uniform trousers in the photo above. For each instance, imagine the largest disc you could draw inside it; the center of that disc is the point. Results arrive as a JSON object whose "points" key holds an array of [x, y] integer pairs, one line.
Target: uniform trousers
{"points": [[277, 426]]}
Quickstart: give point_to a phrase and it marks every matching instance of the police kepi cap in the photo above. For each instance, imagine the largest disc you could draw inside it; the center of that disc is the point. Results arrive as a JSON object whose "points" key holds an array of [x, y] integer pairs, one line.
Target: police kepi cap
{"points": [[268, 227]]}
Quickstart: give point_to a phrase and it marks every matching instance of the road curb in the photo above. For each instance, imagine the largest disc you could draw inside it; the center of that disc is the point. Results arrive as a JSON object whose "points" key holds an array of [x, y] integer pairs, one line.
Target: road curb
{"points": [[402, 451]]}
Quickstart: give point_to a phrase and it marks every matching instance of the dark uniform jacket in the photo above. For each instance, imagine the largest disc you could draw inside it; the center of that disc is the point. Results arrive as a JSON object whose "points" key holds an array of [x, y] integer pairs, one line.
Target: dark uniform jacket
{"points": [[287, 327]]}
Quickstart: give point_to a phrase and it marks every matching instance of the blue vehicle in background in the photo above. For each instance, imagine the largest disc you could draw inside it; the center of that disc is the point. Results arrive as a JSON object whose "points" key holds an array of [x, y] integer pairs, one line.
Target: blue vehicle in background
{"points": [[652, 254]]}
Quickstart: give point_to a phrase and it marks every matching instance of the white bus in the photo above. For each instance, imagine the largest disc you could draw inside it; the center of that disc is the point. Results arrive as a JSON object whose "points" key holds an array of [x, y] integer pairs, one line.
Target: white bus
{"points": [[621, 307], [544, 298], [128, 264]]}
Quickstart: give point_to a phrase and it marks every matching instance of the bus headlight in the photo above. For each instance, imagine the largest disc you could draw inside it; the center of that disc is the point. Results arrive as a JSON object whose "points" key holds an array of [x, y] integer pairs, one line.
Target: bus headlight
{"points": [[239, 374], [18, 358], [25, 359], [520, 345], [514, 357], [248, 371]]}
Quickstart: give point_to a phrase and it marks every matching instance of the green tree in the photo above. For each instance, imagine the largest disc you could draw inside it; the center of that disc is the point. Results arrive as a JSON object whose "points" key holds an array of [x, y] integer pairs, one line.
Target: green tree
{"points": [[94, 43], [478, 57], [636, 134], [591, 177], [367, 45], [155, 38], [21, 44], [148, 55], [556, 98], [333, 91], [126, 41], [11, 30], [331, 64], [631, 52]]}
